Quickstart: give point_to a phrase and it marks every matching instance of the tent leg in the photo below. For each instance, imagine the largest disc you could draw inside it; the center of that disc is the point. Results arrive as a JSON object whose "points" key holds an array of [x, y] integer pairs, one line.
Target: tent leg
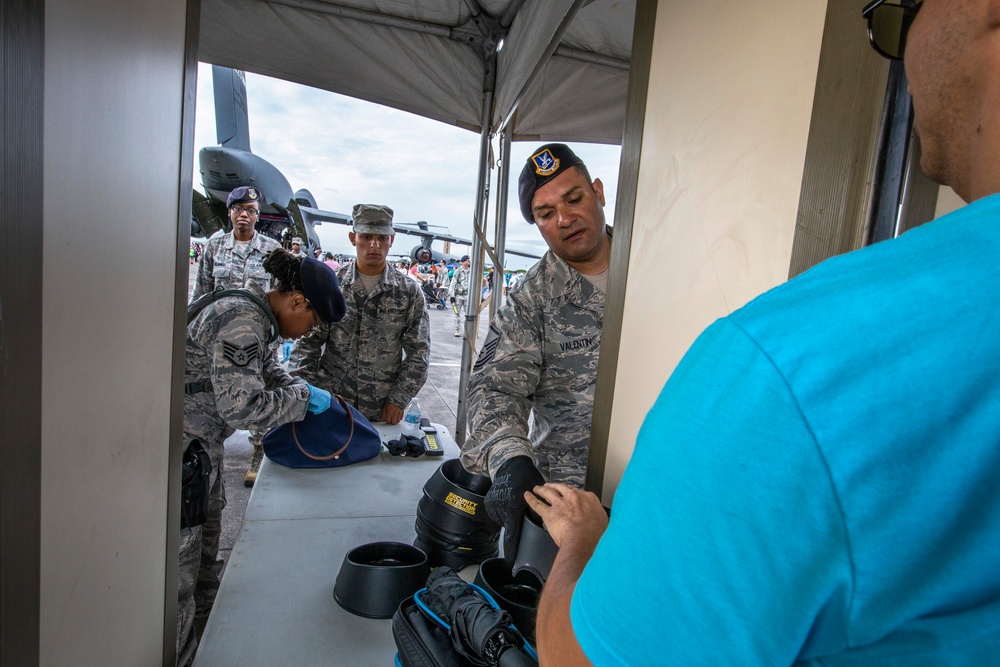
{"points": [[500, 240], [475, 296]]}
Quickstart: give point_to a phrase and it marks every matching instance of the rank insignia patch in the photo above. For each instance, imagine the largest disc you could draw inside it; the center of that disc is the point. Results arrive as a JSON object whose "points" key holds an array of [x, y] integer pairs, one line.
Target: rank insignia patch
{"points": [[546, 163], [489, 349], [241, 356]]}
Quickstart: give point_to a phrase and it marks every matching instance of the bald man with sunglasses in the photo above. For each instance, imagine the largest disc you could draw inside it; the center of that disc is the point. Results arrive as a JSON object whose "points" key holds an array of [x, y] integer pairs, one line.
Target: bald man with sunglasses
{"points": [[817, 483]]}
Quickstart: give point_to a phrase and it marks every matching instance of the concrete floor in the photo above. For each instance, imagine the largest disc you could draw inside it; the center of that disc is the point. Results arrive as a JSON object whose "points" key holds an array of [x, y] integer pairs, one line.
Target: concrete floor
{"points": [[438, 402]]}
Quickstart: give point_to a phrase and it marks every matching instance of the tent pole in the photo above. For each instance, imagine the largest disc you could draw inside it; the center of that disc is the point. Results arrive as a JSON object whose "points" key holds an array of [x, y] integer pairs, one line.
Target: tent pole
{"points": [[475, 290], [500, 239]]}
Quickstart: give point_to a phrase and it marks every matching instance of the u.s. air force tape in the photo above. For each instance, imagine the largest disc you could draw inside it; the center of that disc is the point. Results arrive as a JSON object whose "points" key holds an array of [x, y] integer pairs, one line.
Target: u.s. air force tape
{"points": [[241, 356], [489, 348]]}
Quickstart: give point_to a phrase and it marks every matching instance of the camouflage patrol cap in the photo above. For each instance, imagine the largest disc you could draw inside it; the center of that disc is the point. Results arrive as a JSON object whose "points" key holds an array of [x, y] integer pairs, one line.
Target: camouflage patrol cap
{"points": [[321, 287], [242, 194], [372, 219], [545, 164]]}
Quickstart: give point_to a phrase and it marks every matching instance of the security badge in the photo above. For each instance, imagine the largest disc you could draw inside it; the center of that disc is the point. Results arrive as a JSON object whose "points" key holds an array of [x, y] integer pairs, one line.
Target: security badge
{"points": [[241, 356], [546, 163]]}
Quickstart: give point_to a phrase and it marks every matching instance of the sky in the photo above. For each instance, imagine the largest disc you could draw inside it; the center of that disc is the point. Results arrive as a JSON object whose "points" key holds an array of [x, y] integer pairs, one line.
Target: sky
{"points": [[347, 151]]}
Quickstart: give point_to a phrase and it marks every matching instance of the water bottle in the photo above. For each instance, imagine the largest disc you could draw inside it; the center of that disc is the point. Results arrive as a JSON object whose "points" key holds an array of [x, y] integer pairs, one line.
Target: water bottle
{"points": [[411, 417]]}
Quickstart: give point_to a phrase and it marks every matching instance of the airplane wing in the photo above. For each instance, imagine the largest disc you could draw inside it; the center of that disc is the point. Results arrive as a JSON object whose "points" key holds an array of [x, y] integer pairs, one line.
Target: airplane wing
{"points": [[313, 216], [316, 216], [404, 228]]}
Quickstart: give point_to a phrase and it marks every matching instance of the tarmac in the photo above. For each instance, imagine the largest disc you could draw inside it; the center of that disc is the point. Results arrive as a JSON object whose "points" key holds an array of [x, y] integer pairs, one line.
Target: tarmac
{"points": [[438, 402]]}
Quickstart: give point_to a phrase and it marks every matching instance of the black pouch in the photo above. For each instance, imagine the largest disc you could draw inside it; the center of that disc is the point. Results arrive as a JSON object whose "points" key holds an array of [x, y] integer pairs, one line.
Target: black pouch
{"points": [[197, 470], [420, 642]]}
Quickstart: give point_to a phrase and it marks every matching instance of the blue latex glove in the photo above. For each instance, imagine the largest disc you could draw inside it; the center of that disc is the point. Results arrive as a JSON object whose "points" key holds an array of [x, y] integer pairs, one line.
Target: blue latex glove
{"points": [[286, 351], [319, 400]]}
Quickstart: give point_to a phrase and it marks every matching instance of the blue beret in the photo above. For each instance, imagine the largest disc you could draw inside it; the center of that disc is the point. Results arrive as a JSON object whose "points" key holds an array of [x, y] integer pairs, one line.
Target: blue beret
{"points": [[321, 287], [547, 162], [241, 194]]}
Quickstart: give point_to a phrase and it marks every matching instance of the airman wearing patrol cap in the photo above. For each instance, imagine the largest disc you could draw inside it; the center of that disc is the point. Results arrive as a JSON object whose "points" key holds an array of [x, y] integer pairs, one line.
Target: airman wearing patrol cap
{"points": [[458, 291], [376, 358], [538, 363]]}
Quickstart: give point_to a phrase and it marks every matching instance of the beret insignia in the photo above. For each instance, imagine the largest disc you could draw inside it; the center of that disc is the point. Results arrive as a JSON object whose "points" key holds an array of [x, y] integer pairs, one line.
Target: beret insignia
{"points": [[545, 163]]}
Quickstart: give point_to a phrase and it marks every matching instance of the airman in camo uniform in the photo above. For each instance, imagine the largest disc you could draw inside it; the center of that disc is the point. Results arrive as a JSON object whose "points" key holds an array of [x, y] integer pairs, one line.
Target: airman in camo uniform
{"points": [[540, 359], [458, 291], [226, 262], [233, 381], [538, 364], [376, 357], [232, 259]]}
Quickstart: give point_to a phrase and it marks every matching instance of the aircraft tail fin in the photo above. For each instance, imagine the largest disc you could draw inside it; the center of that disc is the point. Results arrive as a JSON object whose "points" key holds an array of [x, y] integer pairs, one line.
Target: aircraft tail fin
{"points": [[232, 126]]}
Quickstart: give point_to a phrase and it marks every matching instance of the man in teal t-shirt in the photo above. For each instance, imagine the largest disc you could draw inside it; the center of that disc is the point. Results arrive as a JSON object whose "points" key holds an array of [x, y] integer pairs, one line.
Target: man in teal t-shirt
{"points": [[817, 482]]}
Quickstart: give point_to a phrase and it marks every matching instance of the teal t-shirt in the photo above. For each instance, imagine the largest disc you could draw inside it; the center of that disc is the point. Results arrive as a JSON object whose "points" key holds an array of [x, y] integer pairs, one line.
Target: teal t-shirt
{"points": [[818, 482]]}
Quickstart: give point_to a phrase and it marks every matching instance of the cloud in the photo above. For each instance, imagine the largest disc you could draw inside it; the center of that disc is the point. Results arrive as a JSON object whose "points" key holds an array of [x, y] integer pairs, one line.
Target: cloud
{"points": [[346, 151]]}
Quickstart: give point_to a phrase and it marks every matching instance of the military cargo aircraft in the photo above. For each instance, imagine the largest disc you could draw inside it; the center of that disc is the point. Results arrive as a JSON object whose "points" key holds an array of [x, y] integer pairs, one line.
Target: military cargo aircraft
{"points": [[283, 214]]}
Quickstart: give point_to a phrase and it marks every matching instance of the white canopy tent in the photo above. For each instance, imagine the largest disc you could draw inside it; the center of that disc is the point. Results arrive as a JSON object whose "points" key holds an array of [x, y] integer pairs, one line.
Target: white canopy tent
{"points": [[533, 70], [563, 65]]}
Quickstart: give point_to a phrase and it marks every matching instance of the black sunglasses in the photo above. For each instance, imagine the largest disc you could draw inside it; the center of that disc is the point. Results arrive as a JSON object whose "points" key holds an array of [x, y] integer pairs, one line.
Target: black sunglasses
{"points": [[889, 22]]}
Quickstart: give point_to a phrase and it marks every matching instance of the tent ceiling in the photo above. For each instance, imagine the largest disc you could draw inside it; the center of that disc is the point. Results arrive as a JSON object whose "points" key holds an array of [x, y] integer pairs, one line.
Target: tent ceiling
{"points": [[432, 57]]}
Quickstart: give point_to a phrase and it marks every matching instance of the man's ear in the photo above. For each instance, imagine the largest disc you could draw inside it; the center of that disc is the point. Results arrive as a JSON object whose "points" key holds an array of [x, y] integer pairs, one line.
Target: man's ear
{"points": [[599, 190]]}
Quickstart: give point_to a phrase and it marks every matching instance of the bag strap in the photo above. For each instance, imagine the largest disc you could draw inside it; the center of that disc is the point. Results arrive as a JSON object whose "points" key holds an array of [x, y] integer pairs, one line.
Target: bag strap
{"points": [[204, 300], [350, 436]]}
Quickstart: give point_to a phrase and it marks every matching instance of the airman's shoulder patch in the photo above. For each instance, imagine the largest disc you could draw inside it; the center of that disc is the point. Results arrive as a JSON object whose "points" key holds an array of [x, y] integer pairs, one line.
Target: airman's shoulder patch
{"points": [[241, 356], [489, 348]]}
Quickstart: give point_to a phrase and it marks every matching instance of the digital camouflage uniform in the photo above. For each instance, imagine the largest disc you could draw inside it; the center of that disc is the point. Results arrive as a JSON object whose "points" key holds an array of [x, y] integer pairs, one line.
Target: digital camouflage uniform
{"points": [[378, 352], [228, 345], [224, 265], [539, 359], [459, 289]]}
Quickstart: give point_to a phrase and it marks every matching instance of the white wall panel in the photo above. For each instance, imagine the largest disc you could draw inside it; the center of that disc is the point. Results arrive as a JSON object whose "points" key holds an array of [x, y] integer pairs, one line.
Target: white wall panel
{"points": [[727, 119], [947, 201], [112, 121]]}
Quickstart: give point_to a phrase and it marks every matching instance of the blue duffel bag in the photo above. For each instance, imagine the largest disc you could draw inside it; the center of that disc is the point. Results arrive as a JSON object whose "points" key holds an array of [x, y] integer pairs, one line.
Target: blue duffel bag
{"points": [[333, 438]]}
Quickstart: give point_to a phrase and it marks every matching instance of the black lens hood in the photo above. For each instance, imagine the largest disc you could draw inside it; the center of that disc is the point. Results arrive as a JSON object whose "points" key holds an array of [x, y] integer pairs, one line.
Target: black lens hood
{"points": [[459, 491], [450, 523], [452, 555], [535, 551], [477, 537], [374, 578], [515, 593]]}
